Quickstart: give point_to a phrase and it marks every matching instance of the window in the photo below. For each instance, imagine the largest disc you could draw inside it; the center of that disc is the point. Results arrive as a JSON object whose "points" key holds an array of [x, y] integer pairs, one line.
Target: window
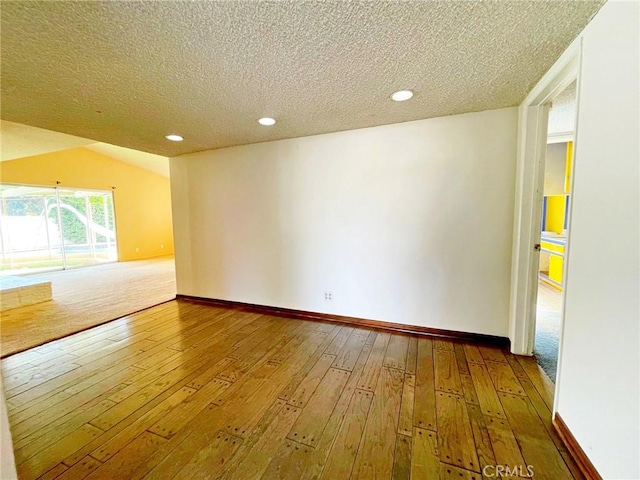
{"points": [[53, 228]]}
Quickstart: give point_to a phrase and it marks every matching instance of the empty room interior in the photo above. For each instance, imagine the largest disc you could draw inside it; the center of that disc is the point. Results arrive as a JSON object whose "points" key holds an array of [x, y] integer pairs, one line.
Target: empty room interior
{"points": [[320, 240], [86, 234]]}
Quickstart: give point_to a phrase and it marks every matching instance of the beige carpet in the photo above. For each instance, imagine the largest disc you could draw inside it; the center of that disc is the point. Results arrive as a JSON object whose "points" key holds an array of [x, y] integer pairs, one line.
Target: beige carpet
{"points": [[86, 297]]}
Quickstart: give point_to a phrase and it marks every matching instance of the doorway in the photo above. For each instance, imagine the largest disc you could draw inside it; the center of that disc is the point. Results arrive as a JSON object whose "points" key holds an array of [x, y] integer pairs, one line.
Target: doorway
{"points": [[49, 228], [533, 140], [555, 213]]}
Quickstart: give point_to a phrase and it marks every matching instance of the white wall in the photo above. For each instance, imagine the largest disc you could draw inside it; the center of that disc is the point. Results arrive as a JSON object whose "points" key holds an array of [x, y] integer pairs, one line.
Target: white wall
{"points": [[7, 461], [598, 384], [407, 223], [554, 169]]}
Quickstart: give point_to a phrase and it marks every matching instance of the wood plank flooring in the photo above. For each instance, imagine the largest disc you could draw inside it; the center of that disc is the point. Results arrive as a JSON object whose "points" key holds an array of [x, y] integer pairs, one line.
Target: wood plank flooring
{"points": [[186, 390]]}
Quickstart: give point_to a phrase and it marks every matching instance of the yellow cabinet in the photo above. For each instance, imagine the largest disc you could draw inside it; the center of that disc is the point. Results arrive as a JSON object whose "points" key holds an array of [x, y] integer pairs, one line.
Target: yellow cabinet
{"points": [[552, 247], [556, 263], [552, 260]]}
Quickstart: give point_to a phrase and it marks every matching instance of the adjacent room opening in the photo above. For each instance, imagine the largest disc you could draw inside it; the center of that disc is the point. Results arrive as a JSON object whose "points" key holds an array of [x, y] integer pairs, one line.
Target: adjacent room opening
{"points": [[556, 203], [49, 228]]}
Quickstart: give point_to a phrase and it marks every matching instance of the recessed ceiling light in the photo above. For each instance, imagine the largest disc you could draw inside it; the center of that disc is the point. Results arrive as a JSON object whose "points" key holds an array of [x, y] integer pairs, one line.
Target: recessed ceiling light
{"points": [[267, 121], [402, 95], [174, 138]]}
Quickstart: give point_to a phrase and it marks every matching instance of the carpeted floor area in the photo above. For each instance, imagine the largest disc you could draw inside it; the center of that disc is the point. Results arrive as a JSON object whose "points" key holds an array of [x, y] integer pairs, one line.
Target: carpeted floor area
{"points": [[548, 321], [86, 297]]}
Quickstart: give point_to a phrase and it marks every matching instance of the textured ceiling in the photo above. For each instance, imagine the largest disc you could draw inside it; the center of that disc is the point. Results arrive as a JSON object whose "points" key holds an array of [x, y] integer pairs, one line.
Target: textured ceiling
{"points": [[562, 116], [128, 73]]}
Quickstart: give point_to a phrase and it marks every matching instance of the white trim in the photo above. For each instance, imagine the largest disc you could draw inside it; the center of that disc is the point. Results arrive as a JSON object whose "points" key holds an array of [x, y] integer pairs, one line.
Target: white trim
{"points": [[531, 152], [560, 137], [567, 247]]}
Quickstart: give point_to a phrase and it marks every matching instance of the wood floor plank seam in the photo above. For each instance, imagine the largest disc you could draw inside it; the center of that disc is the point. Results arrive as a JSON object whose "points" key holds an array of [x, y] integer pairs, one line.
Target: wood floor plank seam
{"points": [[322, 453], [424, 406], [481, 436], [535, 443], [338, 461], [299, 377], [89, 455], [114, 439], [88, 375], [58, 425], [131, 418], [258, 450], [208, 389], [39, 443], [544, 419]]}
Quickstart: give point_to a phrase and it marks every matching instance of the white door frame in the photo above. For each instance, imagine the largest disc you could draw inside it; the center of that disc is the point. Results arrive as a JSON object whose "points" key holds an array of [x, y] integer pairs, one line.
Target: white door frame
{"points": [[533, 116]]}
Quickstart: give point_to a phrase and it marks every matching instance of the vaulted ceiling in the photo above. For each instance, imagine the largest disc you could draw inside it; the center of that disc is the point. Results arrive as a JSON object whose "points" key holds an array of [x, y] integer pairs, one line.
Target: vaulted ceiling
{"points": [[129, 73], [18, 141]]}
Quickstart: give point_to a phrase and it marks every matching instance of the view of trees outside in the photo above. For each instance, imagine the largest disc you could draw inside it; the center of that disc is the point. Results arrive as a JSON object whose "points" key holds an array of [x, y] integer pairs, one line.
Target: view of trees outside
{"points": [[48, 228]]}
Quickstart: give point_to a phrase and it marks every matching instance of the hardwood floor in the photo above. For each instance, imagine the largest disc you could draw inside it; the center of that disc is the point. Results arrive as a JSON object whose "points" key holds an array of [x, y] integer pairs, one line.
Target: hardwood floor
{"points": [[86, 297], [185, 390]]}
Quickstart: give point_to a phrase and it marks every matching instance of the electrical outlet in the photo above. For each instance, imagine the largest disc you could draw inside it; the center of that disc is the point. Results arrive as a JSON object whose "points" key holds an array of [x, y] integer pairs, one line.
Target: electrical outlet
{"points": [[137, 249], [328, 296], [162, 245]]}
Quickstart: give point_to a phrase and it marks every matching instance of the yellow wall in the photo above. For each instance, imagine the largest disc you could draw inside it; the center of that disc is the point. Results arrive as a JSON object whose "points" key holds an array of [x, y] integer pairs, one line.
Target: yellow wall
{"points": [[142, 199], [555, 213], [568, 167]]}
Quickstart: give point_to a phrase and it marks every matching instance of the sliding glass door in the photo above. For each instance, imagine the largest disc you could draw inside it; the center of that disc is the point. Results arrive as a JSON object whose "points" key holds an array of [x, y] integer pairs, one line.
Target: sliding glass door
{"points": [[30, 236], [88, 230], [50, 228]]}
